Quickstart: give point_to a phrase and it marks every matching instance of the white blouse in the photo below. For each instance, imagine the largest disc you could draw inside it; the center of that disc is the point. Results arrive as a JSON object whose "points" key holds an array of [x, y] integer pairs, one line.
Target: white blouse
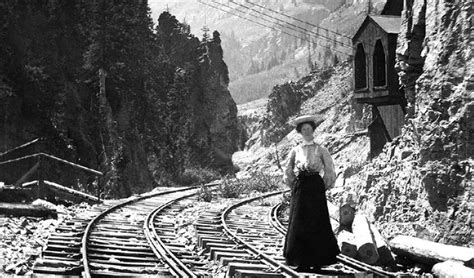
{"points": [[313, 157]]}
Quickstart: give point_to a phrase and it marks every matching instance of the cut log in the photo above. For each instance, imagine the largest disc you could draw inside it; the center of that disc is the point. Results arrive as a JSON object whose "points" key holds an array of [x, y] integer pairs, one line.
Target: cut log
{"points": [[346, 216], [385, 255], [347, 244], [16, 209], [366, 249], [15, 194], [452, 269], [428, 252]]}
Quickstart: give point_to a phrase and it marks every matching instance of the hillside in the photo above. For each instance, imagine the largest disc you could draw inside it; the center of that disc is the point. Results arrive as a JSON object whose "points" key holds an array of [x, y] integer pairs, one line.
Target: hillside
{"points": [[340, 131], [421, 184], [260, 57]]}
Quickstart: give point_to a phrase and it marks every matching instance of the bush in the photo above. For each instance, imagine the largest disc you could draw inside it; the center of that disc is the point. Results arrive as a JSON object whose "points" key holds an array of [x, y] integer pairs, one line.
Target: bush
{"points": [[232, 188], [205, 194], [264, 182], [194, 176]]}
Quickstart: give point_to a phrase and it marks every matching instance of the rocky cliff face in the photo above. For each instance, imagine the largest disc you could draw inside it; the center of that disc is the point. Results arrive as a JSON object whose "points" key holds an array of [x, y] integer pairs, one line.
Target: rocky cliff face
{"points": [[220, 108], [422, 183]]}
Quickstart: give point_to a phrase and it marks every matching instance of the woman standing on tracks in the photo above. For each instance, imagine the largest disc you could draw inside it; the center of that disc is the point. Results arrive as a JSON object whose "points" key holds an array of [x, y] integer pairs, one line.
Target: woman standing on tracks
{"points": [[310, 241]]}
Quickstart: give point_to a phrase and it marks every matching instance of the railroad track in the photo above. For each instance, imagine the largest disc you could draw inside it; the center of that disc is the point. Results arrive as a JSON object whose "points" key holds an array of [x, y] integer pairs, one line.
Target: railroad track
{"points": [[280, 225], [114, 240], [243, 238], [139, 237]]}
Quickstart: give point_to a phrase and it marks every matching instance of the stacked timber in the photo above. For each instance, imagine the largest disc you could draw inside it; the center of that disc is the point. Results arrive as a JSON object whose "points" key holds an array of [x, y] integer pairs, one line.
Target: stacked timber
{"points": [[359, 238]]}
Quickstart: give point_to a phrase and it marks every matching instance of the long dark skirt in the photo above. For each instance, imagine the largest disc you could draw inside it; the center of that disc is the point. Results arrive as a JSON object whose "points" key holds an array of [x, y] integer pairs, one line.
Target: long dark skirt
{"points": [[310, 241]]}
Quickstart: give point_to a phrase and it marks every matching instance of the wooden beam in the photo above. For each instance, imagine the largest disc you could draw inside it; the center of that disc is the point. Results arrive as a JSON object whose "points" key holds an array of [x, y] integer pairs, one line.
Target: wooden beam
{"points": [[19, 147], [78, 194], [53, 158], [28, 174]]}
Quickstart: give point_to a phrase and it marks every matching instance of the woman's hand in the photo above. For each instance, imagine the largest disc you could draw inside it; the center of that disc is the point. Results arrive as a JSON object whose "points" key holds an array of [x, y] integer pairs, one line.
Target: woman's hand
{"points": [[328, 181]]}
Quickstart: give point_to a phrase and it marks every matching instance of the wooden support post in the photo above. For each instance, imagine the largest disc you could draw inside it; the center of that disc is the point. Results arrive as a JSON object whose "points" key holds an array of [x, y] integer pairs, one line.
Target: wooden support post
{"points": [[40, 191]]}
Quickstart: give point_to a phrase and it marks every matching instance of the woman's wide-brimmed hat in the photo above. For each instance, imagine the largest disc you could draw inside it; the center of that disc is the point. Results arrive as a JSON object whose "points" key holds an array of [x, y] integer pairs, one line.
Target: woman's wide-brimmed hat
{"points": [[306, 118]]}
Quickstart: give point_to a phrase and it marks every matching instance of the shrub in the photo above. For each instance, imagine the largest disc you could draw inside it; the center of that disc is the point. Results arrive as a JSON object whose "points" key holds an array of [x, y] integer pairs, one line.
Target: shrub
{"points": [[194, 176], [264, 182], [205, 194], [232, 188]]}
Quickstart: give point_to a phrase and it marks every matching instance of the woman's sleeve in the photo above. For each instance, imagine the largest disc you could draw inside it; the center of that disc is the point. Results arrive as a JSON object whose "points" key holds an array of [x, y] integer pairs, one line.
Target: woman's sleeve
{"points": [[329, 171], [290, 177]]}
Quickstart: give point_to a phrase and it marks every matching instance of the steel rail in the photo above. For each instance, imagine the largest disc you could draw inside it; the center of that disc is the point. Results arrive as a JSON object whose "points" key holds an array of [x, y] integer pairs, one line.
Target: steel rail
{"points": [[159, 247], [258, 254], [341, 257], [96, 219]]}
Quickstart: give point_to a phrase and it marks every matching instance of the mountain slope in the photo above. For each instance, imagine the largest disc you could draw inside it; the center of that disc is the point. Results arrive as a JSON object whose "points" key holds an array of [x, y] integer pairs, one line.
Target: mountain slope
{"points": [[421, 184], [252, 51]]}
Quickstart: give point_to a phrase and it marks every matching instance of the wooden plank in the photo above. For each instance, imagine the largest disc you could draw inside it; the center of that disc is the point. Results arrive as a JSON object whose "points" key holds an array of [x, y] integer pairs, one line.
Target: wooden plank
{"points": [[16, 209], [393, 118]]}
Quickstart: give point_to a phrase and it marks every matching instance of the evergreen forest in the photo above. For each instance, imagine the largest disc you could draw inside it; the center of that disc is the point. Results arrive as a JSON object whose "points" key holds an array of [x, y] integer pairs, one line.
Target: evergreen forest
{"points": [[108, 89]]}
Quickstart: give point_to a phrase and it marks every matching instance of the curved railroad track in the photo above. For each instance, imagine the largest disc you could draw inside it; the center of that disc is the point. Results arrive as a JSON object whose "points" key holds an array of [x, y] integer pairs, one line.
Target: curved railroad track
{"points": [[280, 225], [113, 240], [243, 237], [138, 237]]}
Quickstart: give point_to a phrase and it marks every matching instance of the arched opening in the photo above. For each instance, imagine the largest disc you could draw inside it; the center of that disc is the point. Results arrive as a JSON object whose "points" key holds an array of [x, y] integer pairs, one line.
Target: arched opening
{"points": [[379, 65], [360, 68]]}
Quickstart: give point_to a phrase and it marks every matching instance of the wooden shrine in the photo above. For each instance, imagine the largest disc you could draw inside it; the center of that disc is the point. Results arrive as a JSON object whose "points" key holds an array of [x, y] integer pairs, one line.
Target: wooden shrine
{"points": [[375, 77]]}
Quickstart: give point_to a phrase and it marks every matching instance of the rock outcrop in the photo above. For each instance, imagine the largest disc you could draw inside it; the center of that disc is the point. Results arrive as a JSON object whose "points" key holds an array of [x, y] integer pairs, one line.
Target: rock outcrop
{"points": [[220, 110], [285, 101], [422, 183]]}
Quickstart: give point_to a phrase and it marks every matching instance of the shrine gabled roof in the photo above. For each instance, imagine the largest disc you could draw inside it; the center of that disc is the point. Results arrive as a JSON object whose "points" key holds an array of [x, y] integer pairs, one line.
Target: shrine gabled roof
{"points": [[389, 23]]}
